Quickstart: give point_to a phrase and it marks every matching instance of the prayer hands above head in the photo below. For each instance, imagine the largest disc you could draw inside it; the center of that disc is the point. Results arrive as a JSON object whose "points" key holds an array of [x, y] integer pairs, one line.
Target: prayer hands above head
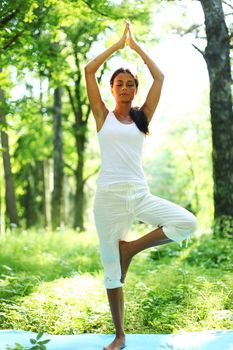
{"points": [[130, 40], [121, 43], [127, 38]]}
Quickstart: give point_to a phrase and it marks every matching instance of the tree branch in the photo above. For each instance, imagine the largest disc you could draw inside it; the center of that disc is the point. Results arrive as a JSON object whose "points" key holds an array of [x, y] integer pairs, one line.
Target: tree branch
{"points": [[88, 113], [203, 53], [69, 167], [71, 99], [95, 172], [96, 10], [226, 3], [103, 68], [6, 19], [17, 35], [191, 29]]}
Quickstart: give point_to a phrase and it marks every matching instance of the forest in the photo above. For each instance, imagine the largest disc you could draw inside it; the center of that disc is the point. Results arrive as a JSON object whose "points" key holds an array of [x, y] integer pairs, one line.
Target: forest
{"points": [[49, 149], [50, 161]]}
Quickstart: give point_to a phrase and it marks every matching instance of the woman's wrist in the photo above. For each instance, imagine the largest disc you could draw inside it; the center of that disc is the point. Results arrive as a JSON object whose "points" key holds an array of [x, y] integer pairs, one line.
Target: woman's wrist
{"points": [[116, 46]]}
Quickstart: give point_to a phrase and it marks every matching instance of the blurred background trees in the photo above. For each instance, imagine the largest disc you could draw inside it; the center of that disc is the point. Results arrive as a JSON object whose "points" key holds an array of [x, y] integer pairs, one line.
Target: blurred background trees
{"points": [[50, 157]]}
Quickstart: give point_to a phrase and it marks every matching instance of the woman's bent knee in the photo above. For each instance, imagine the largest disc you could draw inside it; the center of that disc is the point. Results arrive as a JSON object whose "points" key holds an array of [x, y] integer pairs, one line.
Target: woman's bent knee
{"points": [[193, 224], [180, 230]]}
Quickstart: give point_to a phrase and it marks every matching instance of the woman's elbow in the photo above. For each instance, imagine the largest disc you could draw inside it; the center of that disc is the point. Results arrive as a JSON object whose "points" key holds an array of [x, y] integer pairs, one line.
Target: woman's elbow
{"points": [[161, 77], [87, 68]]}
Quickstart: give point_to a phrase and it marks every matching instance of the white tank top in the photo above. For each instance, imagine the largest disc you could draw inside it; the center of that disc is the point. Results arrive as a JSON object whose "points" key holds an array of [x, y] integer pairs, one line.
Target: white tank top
{"points": [[121, 148]]}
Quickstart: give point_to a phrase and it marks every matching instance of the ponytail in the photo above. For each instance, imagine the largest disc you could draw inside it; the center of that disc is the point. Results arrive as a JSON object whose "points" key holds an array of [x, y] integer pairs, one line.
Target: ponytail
{"points": [[140, 120]]}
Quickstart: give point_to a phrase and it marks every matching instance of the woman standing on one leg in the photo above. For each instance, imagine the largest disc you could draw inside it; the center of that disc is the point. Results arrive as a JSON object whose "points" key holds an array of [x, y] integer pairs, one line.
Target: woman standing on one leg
{"points": [[122, 192]]}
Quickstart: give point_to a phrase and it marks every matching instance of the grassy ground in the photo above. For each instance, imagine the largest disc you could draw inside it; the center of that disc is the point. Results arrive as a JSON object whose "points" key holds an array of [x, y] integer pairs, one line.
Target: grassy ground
{"points": [[52, 282]]}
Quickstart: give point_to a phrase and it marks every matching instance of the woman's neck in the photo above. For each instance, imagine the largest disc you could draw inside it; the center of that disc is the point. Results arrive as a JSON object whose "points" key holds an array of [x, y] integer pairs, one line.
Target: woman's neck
{"points": [[124, 118], [122, 110]]}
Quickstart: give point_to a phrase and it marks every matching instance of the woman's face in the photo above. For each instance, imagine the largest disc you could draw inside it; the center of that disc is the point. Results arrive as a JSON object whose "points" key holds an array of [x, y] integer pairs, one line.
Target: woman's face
{"points": [[124, 88]]}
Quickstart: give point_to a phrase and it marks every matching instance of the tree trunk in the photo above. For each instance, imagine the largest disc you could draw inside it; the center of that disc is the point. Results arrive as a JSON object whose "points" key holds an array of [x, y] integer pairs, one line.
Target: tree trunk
{"points": [[80, 134], [46, 201], [9, 186], [1, 216], [47, 169], [67, 203], [57, 195], [79, 104], [29, 204], [45, 195], [217, 56], [79, 192], [33, 194]]}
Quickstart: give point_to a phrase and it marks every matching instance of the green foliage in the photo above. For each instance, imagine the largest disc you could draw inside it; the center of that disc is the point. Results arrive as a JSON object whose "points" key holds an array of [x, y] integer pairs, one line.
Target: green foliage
{"points": [[182, 169], [6, 84], [223, 226], [184, 305], [130, 8], [46, 43], [47, 256], [37, 344], [212, 253], [52, 282], [19, 20], [50, 41]]}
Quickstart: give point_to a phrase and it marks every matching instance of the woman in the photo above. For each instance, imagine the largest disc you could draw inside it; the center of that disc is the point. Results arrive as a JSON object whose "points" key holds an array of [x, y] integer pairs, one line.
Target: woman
{"points": [[122, 192]]}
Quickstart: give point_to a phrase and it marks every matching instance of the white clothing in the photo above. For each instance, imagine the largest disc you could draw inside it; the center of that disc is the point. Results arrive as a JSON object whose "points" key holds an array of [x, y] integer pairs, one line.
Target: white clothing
{"points": [[121, 148], [123, 195], [116, 206]]}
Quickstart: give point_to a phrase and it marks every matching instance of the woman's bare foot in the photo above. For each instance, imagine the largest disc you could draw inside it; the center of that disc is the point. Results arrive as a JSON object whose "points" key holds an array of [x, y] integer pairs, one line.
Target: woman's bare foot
{"points": [[117, 344], [125, 258]]}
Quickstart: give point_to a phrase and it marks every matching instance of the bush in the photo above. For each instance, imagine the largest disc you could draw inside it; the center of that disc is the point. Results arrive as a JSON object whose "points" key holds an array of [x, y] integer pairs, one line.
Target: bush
{"points": [[212, 253]]}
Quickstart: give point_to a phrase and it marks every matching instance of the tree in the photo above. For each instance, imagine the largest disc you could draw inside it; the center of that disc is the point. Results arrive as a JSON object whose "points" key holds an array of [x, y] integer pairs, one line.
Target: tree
{"points": [[217, 57], [51, 39], [17, 19], [11, 210], [58, 165], [32, 146], [77, 35], [80, 36]]}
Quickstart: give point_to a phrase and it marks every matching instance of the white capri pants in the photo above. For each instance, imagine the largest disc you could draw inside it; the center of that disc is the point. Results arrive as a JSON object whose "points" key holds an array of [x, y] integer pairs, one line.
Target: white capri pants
{"points": [[115, 208]]}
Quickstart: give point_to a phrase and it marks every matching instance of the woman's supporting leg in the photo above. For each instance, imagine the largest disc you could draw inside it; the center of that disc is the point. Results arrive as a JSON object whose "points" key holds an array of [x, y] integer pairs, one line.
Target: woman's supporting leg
{"points": [[116, 302], [129, 249]]}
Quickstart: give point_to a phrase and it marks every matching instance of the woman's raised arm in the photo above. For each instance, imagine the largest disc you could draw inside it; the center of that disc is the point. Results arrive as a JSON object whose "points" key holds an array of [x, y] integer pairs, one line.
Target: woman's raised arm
{"points": [[153, 96], [98, 107]]}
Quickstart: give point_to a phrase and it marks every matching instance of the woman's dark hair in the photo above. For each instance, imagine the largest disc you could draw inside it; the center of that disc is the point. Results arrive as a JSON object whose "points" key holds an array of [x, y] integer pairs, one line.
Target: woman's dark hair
{"points": [[135, 113]]}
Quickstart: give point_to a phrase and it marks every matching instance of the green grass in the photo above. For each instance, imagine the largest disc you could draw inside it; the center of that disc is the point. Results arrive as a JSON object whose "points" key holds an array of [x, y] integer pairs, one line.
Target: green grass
{"points": [[52, 282]]}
